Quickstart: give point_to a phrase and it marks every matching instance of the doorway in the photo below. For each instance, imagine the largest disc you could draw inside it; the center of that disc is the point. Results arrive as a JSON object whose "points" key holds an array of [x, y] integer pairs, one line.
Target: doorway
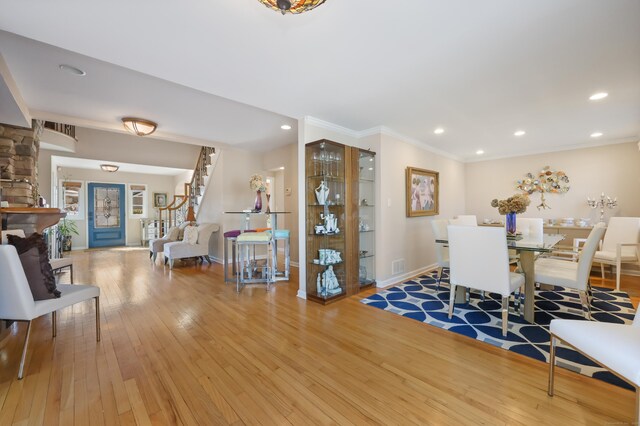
{"points": [[106, 213]]}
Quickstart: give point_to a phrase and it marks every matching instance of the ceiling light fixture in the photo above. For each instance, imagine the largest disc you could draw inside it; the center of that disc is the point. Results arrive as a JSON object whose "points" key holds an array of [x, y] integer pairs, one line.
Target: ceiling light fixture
{"points": [[111, 168], [139, 126], [281, 167], [439, 131], [596, 134], [292, 6], [598, 96], [72, 70], [479, 152], [285, 127], [520, 133]]}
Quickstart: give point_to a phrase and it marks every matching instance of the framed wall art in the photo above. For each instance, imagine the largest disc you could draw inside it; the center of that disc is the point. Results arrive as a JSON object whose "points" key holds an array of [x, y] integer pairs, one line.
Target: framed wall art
{"points": [[159, 199], [422, 192]]}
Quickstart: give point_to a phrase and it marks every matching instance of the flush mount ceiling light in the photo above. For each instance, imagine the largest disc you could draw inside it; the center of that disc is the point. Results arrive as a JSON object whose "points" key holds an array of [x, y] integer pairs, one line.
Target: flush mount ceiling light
{"points": [[520, 133], [139, 126], [598, 96], [285, 127], [479, 152], [292, 6], [596, 134], [72, 70], [439, 131], [111, 168]]}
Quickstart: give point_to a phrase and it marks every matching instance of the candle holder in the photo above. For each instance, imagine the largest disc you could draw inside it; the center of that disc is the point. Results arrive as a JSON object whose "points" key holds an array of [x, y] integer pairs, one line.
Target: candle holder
{"points": [[603, 202]]}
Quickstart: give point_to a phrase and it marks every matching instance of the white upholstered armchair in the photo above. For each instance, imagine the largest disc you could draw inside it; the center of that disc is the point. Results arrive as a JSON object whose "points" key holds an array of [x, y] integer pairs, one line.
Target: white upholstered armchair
{"points": [[184, 249]]}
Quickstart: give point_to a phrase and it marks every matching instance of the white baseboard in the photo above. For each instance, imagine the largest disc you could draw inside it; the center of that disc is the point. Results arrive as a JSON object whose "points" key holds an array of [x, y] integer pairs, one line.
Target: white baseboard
{"points": [[302, 294], [401, 278], [74, 248]]}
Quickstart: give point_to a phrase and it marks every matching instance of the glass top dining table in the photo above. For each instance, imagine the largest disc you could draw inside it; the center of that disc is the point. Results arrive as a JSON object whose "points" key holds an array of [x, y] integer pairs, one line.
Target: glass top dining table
{"points": [[526, 247], [549, 241]]}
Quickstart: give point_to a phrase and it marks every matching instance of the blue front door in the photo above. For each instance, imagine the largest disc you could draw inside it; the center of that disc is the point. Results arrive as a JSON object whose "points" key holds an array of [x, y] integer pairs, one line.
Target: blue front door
{"points": [[106, 215]]}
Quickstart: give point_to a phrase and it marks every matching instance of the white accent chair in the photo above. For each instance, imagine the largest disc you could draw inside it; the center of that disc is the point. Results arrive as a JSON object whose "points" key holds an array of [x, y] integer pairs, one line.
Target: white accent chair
{"points": [[620, 245], [479, 258], [614, 346], [439, 228], [17, 304], [569, 274], [157, 245], [56, 264], [183, 250], [464, 220]]}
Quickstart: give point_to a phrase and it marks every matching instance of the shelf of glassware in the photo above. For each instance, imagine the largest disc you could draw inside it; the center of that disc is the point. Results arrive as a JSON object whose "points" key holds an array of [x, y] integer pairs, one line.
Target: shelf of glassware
{"points": [[366, 215], [325, 216]]}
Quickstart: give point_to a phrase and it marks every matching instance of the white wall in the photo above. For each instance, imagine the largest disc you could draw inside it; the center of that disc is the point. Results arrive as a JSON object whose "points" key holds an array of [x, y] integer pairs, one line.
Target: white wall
{"points": [[228, 190], [180, 180], [612, 169], [155, 183]]}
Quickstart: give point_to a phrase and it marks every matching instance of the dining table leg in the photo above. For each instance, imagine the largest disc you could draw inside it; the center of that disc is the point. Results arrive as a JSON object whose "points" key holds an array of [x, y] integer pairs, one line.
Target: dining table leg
{"points": [[527, 260]]}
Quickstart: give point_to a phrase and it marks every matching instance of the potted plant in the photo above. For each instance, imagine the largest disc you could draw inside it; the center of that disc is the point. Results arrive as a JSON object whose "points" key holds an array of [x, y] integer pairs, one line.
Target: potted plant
{"points": [[65, 229]]}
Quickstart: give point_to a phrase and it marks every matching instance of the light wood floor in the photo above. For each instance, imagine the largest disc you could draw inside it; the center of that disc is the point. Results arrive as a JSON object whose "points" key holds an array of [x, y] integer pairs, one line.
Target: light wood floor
{"points": [[181, 347]]}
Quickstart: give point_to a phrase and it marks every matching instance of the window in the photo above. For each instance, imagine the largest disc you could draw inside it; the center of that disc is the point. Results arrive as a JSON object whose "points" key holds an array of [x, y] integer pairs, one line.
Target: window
{"points": [[72, 194], [137, 201]]}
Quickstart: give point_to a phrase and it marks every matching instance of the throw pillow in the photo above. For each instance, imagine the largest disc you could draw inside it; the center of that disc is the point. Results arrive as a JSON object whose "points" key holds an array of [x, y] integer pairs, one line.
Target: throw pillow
{"points": [[172, 234], [190, 235], [34, 257], [181, 229]]}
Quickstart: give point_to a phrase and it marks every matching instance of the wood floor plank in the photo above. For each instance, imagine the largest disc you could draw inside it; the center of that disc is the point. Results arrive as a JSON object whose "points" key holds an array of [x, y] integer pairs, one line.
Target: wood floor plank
{"points": [[181, 347]]}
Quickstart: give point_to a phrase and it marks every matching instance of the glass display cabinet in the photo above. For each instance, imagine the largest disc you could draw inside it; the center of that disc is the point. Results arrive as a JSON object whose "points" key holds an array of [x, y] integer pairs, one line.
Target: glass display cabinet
{"points": [[325, 221], [366, 218], [340, 220]]}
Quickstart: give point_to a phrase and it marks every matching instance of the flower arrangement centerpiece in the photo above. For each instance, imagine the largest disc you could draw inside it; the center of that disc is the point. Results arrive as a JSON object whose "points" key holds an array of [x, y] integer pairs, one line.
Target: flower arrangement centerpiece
{"points": [[256, 183], [510, 207]]}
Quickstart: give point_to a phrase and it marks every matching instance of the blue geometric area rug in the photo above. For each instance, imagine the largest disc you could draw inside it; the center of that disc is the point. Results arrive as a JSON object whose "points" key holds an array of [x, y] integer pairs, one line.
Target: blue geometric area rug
{"points": [[418, 299]]}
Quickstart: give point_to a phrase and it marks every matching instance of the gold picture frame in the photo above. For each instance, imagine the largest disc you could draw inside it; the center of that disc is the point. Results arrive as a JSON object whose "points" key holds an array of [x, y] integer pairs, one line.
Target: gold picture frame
{"points": [[422, 192], [159, 199]]}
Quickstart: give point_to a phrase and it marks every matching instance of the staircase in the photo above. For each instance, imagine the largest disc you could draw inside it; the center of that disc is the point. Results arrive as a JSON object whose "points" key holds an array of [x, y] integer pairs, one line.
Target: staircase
{"points": [[185, 207]]}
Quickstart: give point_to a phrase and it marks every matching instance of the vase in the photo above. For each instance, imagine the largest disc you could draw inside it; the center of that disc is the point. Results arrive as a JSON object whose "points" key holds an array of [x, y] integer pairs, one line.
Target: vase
{"points": [[511, 223], [258, 205]]}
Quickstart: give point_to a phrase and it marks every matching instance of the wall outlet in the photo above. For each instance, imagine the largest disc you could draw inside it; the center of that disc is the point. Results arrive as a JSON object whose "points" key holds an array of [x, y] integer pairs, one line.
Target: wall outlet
{"points": [[397, 266]]}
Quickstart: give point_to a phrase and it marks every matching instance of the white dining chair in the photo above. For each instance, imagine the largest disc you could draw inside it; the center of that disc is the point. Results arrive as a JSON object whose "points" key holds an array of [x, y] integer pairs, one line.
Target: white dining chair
{"points": [[479, 258], [614, 346], [620, 245], [574, 275], [530, 229], [17, 304], [464, 220], [439, 228]]}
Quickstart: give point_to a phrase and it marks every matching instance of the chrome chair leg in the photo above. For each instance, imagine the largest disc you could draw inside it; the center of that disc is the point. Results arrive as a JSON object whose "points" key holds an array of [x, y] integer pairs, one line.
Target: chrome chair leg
{"points": [[552, 364], [24, 351], [452, 299], [505, 315], [98, 332], [585, 302]]}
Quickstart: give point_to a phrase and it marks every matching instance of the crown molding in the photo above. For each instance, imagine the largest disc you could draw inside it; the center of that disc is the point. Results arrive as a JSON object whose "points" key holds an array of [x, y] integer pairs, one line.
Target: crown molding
{"points": [[585, 145], [330, 126], [382, 130]]}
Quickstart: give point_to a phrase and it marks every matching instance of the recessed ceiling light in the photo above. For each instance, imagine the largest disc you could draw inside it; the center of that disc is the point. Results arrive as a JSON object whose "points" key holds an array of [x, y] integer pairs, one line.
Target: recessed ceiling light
{"points": [[371, 159], [439, 131], [520, 133], [370, 168], [479, 152], [72, 70], [285, 127], [598, 96], [281, 167], [596, 134]]}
